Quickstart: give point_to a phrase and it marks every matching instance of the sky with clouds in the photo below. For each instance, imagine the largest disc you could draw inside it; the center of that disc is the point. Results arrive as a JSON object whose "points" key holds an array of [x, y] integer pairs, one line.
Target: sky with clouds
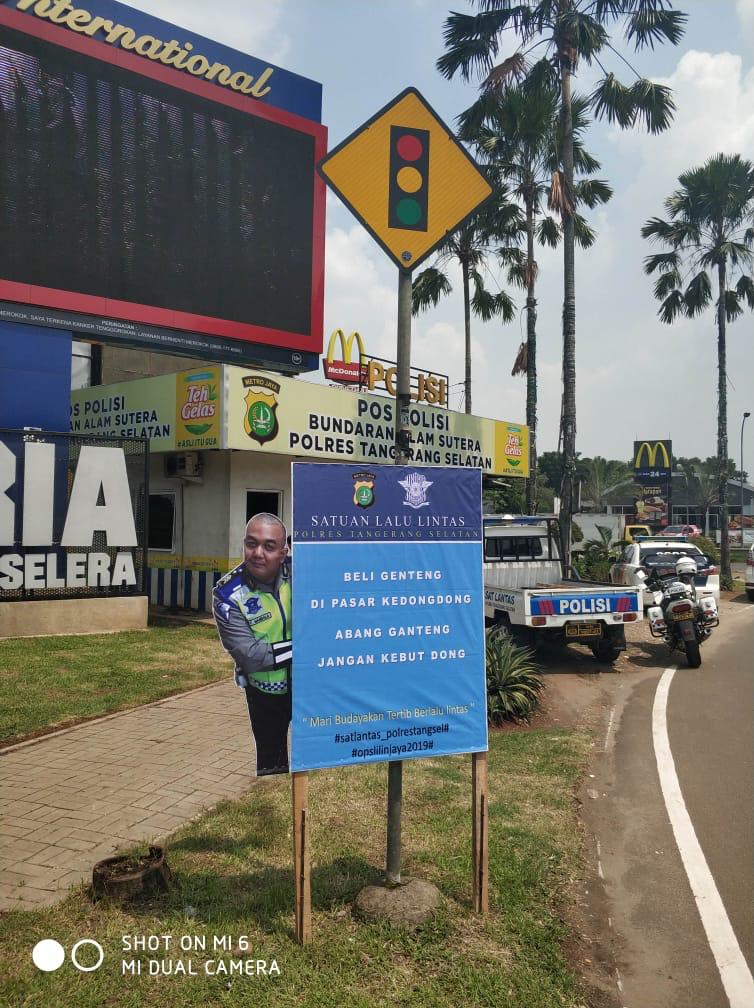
{"points": [[635, 376]]}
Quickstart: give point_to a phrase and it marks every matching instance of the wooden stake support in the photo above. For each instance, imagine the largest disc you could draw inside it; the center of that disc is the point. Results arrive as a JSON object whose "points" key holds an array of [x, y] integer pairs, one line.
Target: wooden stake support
{"points": [[302, 858], [479, 833]]}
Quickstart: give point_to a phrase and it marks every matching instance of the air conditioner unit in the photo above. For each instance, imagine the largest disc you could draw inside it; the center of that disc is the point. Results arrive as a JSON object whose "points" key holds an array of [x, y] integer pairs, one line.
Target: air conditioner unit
{"points": [[183, 464]]}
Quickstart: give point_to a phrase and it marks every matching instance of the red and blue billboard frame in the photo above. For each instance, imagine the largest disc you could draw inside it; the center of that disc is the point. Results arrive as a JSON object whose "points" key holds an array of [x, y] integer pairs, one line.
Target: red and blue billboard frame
{"points": [[304, 347]]}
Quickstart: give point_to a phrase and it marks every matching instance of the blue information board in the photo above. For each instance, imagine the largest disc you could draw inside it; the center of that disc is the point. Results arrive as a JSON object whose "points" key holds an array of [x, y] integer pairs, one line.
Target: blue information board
{"points": [[388, 617]]}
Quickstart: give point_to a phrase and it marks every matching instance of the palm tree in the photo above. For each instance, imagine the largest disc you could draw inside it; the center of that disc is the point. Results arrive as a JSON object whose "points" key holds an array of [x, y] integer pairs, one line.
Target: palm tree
{"points": [[517, 134], [569, 30], [708, 493], [469, 247], [603, 479], [710, 228]]}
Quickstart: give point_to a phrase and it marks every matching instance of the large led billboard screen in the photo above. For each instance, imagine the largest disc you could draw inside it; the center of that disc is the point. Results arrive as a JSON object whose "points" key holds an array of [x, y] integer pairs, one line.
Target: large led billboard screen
{"points": [[136, 193]]}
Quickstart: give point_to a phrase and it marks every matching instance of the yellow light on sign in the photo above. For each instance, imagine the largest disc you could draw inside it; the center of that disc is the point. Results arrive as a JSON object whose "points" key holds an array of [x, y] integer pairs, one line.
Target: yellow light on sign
{"points": [[406, 178]]}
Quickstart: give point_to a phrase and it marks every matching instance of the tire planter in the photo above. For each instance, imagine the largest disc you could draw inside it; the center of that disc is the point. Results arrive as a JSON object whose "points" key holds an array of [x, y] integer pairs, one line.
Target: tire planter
{"points": [[124, 878]]}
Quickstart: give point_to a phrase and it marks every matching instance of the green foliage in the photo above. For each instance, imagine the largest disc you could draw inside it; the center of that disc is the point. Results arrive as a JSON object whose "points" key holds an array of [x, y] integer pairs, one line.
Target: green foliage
{"points": [[576, 31], [591, 566], [593, 563], [545, 496], [550, 464], [504, 499], [511, 499], [706, 546], [514, 681], [577, 534], [602, 478]]}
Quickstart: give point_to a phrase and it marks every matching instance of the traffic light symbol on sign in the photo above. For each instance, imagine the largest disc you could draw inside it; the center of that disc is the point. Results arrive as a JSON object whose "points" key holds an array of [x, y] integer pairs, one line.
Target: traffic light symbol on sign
{"points": [[409, 178], [382, 173]]}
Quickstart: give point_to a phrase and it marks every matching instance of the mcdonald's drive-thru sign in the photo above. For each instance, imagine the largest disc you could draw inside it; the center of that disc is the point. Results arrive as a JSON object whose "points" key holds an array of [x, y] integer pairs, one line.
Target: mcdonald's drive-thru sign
{"points": [[653, 459], [344, 370]]}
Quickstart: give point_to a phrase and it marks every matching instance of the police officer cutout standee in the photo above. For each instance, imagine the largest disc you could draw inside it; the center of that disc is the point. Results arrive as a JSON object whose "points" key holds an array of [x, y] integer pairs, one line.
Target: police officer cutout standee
{"points": [[252, 610]]}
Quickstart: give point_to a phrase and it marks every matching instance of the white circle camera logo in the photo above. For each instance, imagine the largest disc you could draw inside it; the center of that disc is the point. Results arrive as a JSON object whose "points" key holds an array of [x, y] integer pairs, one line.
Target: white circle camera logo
{"points": [[49, 955]]}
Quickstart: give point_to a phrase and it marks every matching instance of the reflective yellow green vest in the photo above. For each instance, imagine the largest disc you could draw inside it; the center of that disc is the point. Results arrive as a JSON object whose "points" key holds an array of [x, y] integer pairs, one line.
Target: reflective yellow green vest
{"points": [[270, 622]]}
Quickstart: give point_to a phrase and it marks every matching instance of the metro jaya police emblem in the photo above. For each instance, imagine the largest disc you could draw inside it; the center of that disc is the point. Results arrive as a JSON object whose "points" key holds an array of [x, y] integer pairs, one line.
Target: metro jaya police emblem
{"points": [[363, 489], [260, 420], [416, 486]]}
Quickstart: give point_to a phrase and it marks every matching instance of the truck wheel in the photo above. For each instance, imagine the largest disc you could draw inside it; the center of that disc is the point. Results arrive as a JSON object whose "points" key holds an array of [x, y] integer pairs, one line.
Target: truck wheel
{"points": [[750, 594], [520, 635], [693, 654], [605, 651]]}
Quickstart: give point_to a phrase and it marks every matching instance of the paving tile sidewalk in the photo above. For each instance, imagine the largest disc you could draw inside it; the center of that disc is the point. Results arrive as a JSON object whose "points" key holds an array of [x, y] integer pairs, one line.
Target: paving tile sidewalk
{"points": [[73, 798]]}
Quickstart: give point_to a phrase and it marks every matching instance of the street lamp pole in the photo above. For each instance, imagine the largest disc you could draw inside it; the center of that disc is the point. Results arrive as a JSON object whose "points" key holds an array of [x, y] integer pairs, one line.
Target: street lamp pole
{"points": [[746, 415]]}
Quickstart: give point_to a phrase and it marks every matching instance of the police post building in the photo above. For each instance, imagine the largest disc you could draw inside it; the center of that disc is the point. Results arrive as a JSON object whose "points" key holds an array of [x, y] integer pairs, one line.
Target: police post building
{"points": [[161, 291]]}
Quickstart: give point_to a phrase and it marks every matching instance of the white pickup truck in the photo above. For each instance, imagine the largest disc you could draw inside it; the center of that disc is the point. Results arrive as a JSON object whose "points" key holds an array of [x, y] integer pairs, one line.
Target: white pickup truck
{"points": [[525, 591]]}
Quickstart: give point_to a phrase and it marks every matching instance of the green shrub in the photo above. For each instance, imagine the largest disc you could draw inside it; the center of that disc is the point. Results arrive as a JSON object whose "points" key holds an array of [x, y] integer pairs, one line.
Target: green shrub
{"points": [[596, 568], [706, 546], [592, 565], [578, 562], [514, 681]]}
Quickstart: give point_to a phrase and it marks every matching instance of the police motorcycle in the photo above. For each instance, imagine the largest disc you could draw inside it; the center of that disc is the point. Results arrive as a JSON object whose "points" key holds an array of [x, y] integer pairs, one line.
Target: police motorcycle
{"points": [[678, 616]]}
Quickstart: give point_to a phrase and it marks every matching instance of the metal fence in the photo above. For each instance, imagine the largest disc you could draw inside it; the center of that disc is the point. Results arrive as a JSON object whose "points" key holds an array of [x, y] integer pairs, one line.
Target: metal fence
{"points": [[49, 570]]}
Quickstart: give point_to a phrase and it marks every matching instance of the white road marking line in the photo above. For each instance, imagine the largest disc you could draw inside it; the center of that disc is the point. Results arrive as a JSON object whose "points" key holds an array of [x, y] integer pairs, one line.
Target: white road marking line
{"points": [[609, 729], [734, 972]]}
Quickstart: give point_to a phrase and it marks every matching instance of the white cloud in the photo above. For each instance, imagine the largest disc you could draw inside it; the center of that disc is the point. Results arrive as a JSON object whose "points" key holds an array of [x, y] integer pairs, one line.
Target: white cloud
{"points": [[715, 112], [358, 292], [745, 11], [636, 376]]}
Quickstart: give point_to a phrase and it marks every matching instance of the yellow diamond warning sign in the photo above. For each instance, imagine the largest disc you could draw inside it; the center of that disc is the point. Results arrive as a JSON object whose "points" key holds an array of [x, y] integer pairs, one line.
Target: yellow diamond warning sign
{"points": [[406, 178]]}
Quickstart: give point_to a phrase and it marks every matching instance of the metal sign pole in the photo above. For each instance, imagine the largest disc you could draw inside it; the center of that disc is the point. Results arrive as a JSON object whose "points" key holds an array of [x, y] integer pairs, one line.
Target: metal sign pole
{"points": [[302, 858], [402, 454], [479, 833], [402, 421]]}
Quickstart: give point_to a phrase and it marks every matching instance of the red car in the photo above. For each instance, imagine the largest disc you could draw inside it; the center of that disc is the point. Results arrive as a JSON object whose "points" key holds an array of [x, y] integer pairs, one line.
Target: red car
{"points": [[680, 531]]}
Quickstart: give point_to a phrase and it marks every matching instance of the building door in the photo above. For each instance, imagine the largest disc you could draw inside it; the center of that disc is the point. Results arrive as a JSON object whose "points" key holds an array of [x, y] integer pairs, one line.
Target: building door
{"points": [[258, 501]]}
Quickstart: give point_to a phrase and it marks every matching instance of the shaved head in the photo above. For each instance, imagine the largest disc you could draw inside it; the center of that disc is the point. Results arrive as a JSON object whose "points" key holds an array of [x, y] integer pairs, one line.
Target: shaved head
{"points": [[264, 547]]}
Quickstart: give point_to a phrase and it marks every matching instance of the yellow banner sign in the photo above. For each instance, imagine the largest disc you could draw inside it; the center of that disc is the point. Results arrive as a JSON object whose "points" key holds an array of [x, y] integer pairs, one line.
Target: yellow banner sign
{"points": [[144, 408], [315, 421]]}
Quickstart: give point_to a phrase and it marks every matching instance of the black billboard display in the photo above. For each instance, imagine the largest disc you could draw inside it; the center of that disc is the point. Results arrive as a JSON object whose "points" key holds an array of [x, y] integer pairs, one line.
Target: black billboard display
{"points": [[653, 468], [131, 193]]}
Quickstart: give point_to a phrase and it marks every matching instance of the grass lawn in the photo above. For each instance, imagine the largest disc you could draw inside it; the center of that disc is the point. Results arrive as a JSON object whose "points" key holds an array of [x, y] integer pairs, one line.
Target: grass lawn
{"points": [[232, 876], [50, 682]]}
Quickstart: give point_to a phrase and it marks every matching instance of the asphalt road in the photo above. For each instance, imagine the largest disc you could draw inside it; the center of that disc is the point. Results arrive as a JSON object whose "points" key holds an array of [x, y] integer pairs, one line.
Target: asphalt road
{"points": [[663, 955], [717, 777]]}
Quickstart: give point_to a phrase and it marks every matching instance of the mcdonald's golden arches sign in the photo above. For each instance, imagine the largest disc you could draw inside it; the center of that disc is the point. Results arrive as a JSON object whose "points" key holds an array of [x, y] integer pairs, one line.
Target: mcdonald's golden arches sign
{"points": [[653, 459], [344, 369]]}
